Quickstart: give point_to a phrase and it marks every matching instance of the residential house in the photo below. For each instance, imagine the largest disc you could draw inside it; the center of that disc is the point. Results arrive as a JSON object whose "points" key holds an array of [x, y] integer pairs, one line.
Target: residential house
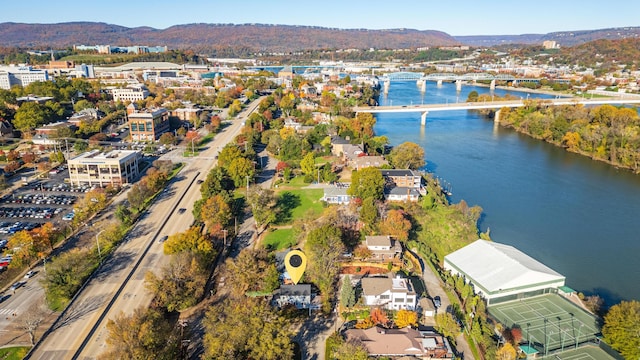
{"points": [[336, 195], [402, 178], [391, 293], [383, 248], [402, 184], [6, 128], [362, 162], [85, 115], [297, 295], [308, 91], [401, 194], [342, 147], [405, 342]]}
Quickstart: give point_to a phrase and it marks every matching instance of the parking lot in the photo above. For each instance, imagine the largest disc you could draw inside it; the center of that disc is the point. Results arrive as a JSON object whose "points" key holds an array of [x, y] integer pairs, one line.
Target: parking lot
{"points": [[41, 201]]}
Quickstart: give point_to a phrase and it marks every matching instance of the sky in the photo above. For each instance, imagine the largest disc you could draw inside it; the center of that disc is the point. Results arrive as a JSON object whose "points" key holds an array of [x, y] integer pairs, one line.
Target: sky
{"points": [[461, 17]]}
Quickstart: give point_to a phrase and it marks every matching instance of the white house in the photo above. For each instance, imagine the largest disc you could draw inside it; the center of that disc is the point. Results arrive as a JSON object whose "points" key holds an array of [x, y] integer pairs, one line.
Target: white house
{"points": [[391, 293], [297, 295]]}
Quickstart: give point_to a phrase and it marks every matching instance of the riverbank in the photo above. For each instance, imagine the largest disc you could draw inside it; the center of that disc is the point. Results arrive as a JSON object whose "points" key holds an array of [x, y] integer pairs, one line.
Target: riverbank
{"points": [[634, 169]]}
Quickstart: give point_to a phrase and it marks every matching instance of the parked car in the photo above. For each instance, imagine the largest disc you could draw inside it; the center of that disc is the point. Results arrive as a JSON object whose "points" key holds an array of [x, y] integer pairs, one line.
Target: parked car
{"points": [[436, 302], [181, 210], [163, 239], [29, 274]]}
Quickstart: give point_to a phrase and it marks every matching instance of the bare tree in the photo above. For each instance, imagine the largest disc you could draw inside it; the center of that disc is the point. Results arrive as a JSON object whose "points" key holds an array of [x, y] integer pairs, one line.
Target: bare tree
{"points": [[37, 313]]}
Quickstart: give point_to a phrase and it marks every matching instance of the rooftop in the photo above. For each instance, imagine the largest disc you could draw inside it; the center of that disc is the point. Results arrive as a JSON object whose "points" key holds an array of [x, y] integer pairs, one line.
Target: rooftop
{"points": [[399, 172], [497, 266], [98, 155]]}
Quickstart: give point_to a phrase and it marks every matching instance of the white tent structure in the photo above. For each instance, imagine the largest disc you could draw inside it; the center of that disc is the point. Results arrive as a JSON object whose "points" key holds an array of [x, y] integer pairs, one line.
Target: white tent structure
{"points": [[501, 272]]}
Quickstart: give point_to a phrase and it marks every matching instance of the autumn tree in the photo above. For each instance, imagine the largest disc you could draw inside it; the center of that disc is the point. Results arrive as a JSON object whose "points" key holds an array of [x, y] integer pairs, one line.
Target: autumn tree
{"points": [[308, 164], [621, 328], [379, 316], [407, 155], [396, 225], [367, 183], [167, 139], [241, 170], [181, 283], [216, 214], [251, 270], [217, 182], [352, 349], [323, 247], [506, 352], [447, 325], [66, 273], [404, 318], [29, 116], [22, 245], [191, 240], [262, 202], [228, 154], [145, 334], [369, 214], [246, 328]]}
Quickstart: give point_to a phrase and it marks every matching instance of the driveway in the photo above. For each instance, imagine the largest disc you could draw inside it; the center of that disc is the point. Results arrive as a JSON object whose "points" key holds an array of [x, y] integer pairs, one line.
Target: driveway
{"points": [[435, 288]]}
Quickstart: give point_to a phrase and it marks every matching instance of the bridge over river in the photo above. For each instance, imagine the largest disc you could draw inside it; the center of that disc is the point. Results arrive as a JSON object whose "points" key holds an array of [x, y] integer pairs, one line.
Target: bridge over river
{"points": [[424, 109]]}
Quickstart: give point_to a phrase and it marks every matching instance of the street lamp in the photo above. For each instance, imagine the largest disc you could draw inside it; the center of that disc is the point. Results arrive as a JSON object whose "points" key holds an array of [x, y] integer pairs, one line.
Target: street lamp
{"points": [[98, 243]]}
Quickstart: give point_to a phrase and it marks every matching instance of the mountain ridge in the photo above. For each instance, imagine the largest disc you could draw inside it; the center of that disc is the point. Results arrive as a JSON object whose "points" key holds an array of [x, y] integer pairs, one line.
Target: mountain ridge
{"points": [[268, 37]]}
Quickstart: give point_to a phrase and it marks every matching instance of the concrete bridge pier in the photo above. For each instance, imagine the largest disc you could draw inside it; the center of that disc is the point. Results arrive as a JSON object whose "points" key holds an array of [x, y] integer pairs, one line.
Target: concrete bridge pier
{"points": [[496, 117], [493, 85], [423, 118], [422, 84], [458, 85], [387, 83], [439, 83]]}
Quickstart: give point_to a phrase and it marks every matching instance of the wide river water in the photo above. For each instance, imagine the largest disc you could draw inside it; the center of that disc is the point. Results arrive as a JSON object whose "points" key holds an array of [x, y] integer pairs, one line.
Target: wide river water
{"points": [[576, 215]]}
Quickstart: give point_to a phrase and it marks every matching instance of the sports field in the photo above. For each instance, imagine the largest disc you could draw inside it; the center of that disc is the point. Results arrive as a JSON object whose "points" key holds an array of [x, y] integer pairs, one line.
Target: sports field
{"points": [[583, 353], [547, 320]]}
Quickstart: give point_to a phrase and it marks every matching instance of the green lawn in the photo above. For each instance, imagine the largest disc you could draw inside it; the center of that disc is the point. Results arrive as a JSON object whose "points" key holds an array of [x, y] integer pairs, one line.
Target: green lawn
{"points": [[296, 182], [295, 204], [278, 239], [13, 353]]}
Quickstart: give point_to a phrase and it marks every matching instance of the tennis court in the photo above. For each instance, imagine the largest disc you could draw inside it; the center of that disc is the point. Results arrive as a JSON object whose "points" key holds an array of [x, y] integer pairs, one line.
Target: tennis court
{"points": [[547, 320], [583, 353]]}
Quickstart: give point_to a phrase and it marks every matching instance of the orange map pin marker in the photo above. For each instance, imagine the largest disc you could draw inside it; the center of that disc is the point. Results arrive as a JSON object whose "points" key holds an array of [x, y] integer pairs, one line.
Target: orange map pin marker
{"points": [[295, 262]]}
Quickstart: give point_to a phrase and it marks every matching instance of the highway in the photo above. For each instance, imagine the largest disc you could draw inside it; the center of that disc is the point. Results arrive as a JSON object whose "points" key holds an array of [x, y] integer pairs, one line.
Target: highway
{"points": [[118, 286]]}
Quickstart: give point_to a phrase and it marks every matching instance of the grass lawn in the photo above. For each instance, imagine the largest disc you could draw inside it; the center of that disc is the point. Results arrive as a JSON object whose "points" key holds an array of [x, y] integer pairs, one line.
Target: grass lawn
{"points": [[295, 183], [278, 239], [13, 353], [294, 204]]}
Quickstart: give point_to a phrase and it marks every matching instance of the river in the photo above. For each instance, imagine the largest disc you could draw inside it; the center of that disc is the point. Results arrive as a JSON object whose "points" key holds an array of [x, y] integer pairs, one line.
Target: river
{"points": [[576, 215]]}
